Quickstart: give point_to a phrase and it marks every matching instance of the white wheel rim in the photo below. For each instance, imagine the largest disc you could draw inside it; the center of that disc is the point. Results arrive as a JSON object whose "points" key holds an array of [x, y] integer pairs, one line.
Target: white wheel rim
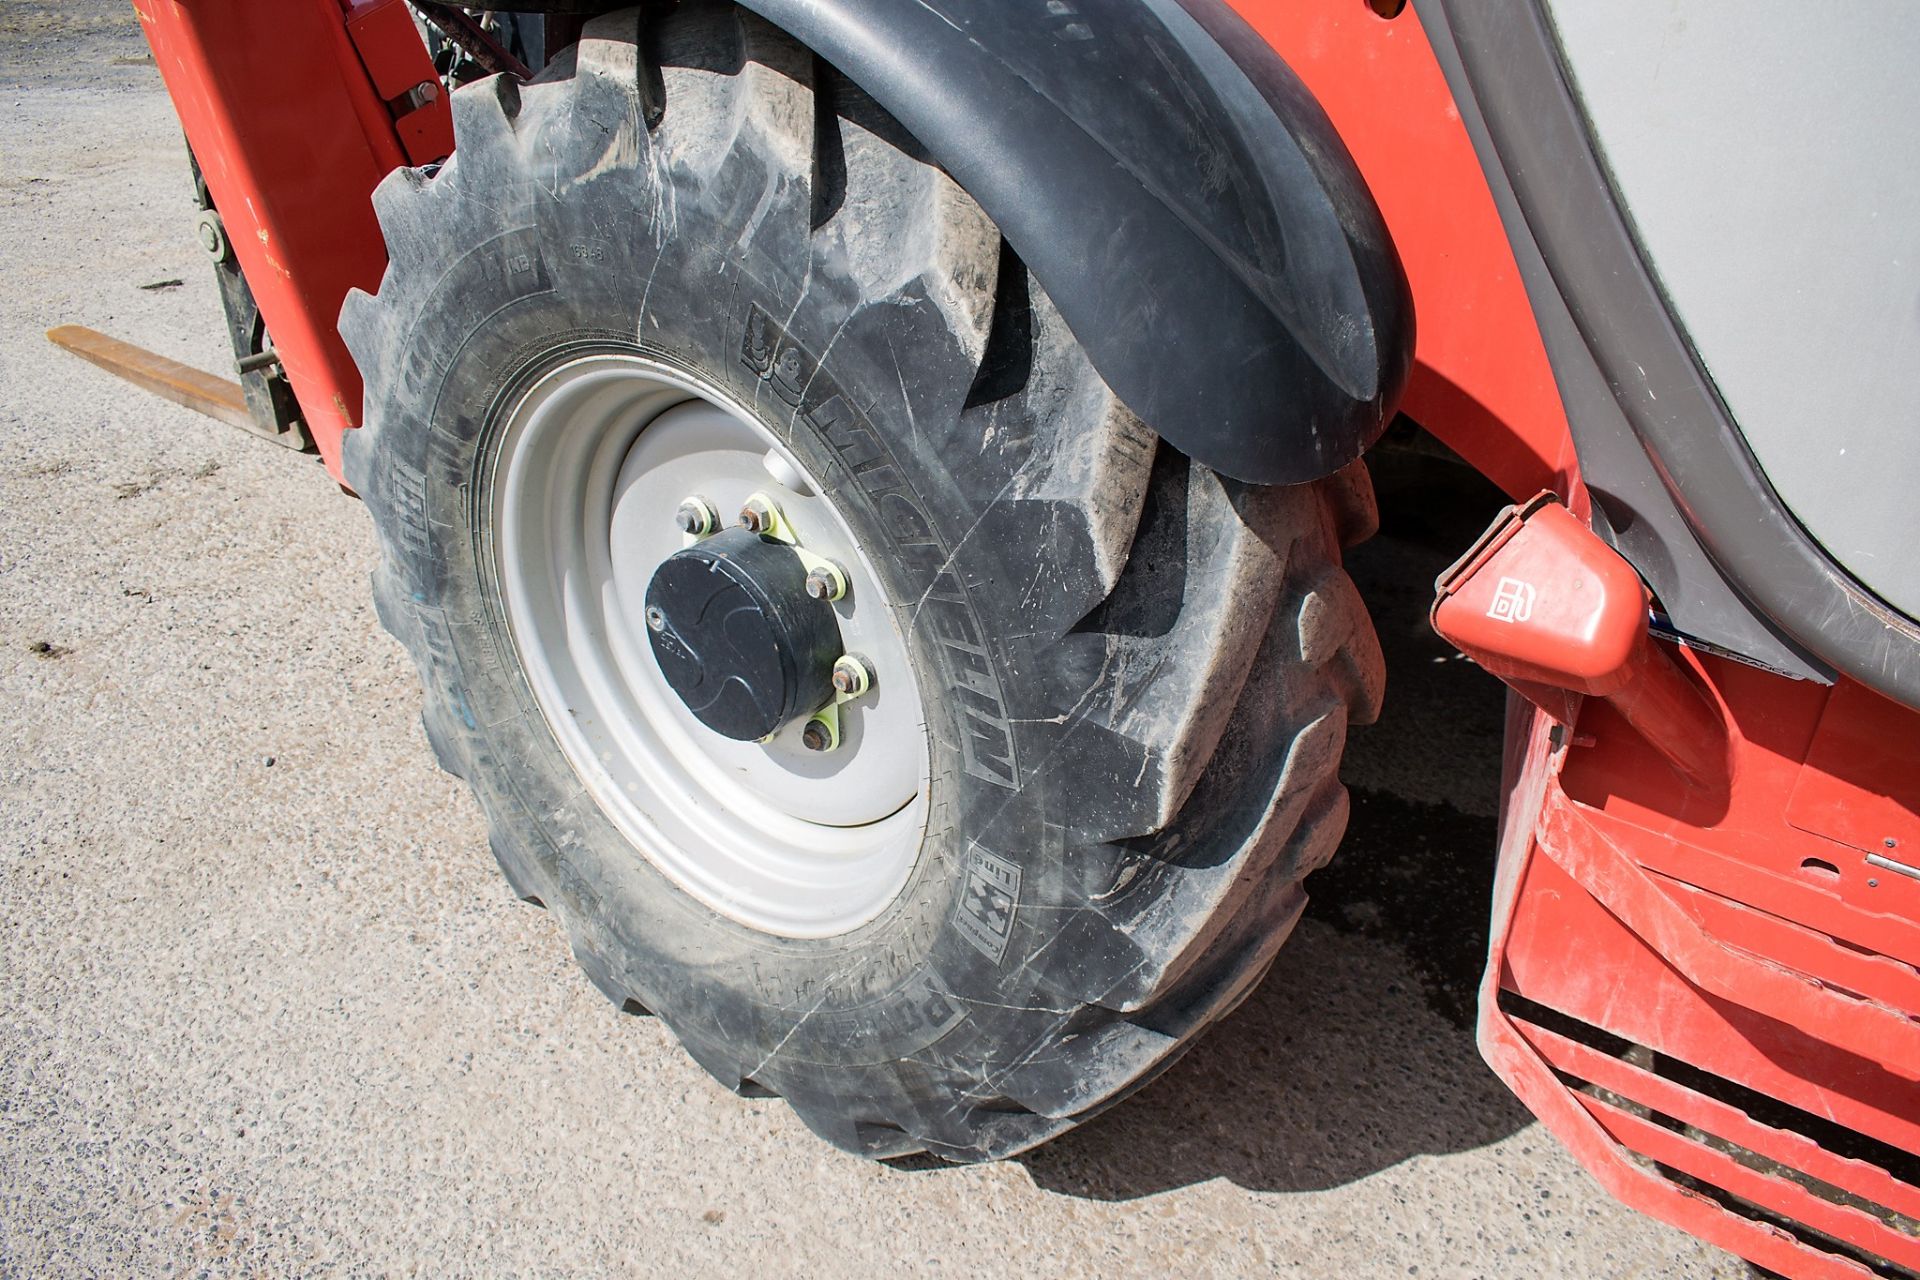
{"points": [[594, 460]]}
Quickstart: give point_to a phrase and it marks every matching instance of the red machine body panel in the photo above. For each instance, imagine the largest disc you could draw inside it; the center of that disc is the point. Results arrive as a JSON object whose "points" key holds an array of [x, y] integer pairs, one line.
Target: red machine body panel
{"points": [[1706, 989], [1715, 1009], [293, 146]]}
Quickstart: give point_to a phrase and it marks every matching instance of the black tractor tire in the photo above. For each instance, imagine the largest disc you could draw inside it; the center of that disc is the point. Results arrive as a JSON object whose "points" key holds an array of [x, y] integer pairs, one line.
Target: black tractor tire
{"points": [[1137, 674]]}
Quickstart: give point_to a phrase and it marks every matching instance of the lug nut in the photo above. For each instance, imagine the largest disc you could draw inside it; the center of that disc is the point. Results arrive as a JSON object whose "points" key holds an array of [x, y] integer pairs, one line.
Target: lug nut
{"points": [[656, 620], [757, 515], [851, 676], [826, 582], [816, 737], [696, 518]]}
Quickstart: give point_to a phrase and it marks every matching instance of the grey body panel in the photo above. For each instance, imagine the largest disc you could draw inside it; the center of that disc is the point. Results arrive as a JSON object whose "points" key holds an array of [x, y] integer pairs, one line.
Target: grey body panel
{"points": [[1769, 161]]}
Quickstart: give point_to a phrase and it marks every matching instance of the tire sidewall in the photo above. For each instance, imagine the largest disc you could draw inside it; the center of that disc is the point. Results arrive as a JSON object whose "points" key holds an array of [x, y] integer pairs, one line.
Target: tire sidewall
{"points": [[957, 954]]}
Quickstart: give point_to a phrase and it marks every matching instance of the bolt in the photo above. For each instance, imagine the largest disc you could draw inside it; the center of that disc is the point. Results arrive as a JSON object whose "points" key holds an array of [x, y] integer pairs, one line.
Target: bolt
{"points": [[696, 517], [826, 582], [213, 235], [656, 620], [258, 361], [757, 515], [1891, 843], [851, 676], [816, 737], [421, 94]]}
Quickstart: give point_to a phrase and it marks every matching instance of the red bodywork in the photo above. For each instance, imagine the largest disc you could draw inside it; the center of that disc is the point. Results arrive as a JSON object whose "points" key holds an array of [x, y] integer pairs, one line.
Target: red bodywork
{"points": [[1698, 908], [1708, 996], [1703, 985], [1542, 602]]}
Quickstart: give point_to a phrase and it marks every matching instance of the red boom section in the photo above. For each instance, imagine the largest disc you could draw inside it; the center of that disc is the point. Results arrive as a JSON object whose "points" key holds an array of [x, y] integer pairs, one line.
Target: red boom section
{"points": [[293, 130]]}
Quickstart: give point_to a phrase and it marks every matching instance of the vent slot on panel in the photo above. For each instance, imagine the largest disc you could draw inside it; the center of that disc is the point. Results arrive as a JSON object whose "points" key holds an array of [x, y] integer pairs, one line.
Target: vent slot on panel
{"points": [[1835, 1189]]}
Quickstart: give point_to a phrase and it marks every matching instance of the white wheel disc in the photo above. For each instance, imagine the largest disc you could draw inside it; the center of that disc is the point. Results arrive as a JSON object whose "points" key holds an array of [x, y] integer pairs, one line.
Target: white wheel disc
{"points": [[594, 461]]}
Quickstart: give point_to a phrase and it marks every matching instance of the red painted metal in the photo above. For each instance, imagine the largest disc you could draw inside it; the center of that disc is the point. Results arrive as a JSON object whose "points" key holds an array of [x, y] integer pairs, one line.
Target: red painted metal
{"points": [[1481, 380], [1695, 886], [293, 143], [1731, 922], [389, 45], [1783, 1147], [1875, 807], [1723, 967], [375, 27], [1543, 603], [1677, 954], [292, 137], [1540, 600], [1613, 980], [1677, 1151]]}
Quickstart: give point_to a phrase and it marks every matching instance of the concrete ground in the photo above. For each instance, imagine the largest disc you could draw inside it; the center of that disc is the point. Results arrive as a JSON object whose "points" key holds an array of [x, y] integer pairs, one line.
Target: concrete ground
{"points": [[267, 1008]]}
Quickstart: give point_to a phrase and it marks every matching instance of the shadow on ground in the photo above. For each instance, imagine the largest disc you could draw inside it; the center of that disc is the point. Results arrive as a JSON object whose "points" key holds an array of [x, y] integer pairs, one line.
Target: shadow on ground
{"points": [[1357, 1052]]}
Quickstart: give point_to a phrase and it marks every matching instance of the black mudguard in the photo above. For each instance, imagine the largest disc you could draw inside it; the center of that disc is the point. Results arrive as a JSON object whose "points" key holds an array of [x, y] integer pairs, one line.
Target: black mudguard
{"points": [[1173, 187], [1176, 191]]}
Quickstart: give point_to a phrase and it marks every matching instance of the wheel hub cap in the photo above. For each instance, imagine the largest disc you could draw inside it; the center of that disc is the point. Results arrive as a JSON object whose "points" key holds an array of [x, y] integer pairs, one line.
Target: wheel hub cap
{"points": [[737, 636]]}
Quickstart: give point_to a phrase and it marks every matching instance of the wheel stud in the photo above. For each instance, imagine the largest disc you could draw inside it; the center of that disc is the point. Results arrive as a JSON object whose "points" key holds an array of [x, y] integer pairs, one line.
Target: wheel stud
{"points": [[696, 517], [851, 676], [826, 581], [757, 515], [816, 736]]}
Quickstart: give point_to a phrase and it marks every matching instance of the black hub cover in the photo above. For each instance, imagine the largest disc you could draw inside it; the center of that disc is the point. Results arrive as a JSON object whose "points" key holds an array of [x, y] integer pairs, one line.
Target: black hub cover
{"points": [[738, 637]]}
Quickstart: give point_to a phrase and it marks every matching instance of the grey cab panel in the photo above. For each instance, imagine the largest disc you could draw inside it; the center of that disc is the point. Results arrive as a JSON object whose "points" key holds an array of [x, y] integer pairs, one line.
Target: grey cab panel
{"points": [[1768, 157]]}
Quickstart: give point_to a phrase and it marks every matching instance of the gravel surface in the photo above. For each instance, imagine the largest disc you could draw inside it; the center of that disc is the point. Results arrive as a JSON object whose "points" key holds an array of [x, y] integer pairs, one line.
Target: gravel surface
{"points": [[267, 1007]]}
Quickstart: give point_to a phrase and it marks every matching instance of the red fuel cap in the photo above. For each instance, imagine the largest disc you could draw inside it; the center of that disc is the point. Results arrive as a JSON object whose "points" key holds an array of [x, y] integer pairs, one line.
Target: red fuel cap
{"points": [[1540, 598]]}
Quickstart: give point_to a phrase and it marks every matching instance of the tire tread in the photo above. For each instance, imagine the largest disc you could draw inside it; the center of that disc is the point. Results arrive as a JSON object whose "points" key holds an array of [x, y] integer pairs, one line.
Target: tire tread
{"points": [[1206, 733]]}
